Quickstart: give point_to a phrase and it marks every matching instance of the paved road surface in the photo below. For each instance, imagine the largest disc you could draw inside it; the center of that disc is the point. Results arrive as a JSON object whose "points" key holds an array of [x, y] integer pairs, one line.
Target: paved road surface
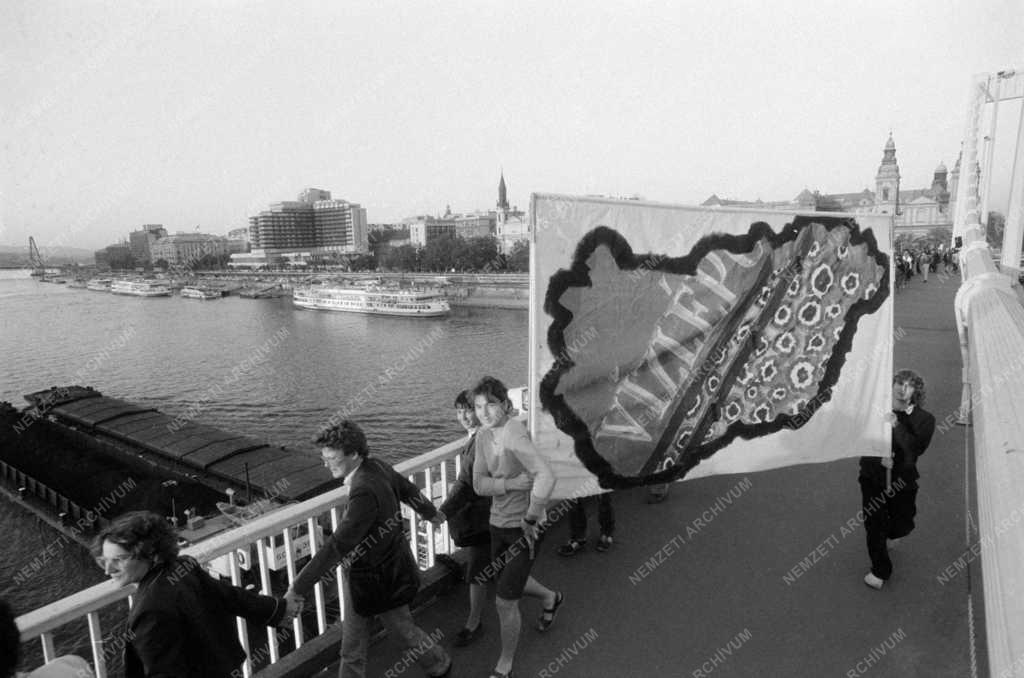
{"points": [[730, 598]]}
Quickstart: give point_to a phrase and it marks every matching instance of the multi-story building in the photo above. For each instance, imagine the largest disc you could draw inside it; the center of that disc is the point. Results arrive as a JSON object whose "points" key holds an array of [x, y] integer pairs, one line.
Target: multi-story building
{"points": [[511, 223], [188, 249], [917, 211], [313, 223], [340, 226], [475, 225], [141, 241], [285, 226], [423, 229]]}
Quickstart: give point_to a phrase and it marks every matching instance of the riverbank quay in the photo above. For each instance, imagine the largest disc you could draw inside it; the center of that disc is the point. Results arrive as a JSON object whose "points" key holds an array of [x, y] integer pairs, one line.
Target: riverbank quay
{"points": [[768, 580], [472, 290]]}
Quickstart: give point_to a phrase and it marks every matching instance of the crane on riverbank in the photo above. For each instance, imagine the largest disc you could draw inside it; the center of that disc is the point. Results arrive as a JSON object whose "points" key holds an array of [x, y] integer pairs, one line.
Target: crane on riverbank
{"points": [[35, 259]]}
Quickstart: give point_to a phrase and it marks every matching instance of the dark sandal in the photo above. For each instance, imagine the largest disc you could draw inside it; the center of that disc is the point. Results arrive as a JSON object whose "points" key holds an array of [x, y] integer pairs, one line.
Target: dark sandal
{"points": [[547, 616]]}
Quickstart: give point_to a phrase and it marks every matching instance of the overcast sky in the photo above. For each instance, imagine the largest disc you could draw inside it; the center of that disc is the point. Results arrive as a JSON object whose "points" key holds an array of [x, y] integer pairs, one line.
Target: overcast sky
{"points": [[120, 114]]}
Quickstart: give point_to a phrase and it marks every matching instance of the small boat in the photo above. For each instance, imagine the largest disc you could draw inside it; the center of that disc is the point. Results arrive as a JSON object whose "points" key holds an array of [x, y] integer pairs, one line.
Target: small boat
{"points": [[197, 292], [99, 284], [78, 284]]}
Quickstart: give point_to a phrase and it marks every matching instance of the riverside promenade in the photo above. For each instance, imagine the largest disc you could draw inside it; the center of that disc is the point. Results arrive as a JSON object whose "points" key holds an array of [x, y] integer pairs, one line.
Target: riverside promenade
{"points": [[760, 575]]}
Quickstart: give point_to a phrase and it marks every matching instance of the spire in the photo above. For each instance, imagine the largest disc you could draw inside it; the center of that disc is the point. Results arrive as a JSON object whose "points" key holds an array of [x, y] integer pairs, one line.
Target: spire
{"points": [[889, 155], [887, 181], [502, 193]]}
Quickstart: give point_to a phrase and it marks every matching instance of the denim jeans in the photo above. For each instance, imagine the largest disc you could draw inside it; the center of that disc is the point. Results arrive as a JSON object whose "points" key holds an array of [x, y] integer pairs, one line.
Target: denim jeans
{"points": [[355, 639]]}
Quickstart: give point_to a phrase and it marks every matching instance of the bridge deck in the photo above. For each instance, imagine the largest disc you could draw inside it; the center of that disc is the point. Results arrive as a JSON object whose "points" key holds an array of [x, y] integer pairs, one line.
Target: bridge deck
{"points": [[731, 597]]}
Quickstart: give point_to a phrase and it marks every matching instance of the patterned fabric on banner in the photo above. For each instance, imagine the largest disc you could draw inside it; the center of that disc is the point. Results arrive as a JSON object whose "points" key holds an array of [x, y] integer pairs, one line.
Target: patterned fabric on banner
{"points": [[671, 342]]}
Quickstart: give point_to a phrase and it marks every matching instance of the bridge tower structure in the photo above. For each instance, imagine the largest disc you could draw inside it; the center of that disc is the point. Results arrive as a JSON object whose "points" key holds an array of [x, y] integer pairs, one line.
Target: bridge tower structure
{"points": [[987, 92]]}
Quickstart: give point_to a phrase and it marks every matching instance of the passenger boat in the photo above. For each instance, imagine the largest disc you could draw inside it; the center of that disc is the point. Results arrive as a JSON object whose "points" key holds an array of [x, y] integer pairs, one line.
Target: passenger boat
{"points": [[99, 284], [140, 288], [372, 299], [196, 292]]}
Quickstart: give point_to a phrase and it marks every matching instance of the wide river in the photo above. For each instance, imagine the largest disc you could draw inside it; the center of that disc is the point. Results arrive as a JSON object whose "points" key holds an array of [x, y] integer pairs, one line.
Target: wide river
{"points": [[258, 366]]}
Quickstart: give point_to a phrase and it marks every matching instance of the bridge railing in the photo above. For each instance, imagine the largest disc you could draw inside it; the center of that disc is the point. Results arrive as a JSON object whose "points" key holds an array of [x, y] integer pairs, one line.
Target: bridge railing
{"points": [[990, 321], [433, 471]]}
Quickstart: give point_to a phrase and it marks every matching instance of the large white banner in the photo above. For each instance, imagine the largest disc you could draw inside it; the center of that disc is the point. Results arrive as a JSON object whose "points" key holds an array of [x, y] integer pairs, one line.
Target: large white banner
{"points": [[671, 341]]}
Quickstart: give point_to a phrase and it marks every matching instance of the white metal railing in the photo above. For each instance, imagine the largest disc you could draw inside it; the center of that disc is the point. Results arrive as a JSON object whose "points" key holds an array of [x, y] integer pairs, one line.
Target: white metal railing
{"points": [[424, 470], [990, 321]]}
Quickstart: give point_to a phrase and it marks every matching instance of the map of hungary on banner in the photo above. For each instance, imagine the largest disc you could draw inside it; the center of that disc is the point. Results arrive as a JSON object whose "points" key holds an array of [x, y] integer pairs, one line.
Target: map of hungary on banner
{"points": [[673, 339]]}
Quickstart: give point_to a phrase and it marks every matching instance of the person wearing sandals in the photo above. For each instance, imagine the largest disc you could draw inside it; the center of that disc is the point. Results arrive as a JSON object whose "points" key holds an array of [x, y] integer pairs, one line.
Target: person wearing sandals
{"points": [[578, 525], [508, 468], [468, 516]]}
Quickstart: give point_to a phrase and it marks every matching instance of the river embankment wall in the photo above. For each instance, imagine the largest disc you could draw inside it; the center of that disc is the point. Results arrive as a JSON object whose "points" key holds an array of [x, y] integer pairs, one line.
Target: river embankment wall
{"points": [[488, 297], [510, 291]]}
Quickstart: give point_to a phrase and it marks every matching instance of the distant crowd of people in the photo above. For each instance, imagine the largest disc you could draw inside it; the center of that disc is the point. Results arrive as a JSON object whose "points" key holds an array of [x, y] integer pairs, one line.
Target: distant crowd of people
{"points": [[911, 262], [182, 621]]}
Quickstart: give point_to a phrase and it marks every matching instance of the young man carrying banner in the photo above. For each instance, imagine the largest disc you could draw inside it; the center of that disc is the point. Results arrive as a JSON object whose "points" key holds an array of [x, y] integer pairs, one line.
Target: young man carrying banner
{"points": [[889, 508]]}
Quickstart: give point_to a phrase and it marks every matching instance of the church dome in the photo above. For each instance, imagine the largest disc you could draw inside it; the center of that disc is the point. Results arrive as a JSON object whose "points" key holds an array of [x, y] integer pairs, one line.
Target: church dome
{"points": [[941, 169]]}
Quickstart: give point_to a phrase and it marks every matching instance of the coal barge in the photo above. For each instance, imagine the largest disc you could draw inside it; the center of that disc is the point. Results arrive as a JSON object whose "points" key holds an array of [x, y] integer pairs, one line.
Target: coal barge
{"points": [[75, 447]]}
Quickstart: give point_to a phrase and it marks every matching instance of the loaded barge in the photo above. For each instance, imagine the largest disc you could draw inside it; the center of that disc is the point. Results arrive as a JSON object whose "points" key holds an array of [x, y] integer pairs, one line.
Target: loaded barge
{"points": [[74, 446]]}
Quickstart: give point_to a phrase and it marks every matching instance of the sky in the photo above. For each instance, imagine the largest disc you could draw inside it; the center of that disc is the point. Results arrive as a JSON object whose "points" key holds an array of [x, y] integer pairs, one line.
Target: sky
{"points": [[201, 114]]}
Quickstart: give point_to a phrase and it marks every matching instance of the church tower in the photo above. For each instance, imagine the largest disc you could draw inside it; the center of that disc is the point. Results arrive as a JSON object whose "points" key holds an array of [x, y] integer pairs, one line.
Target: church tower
{"points": [[502, 215], [940, 190], [502, 193], [887, 181]]}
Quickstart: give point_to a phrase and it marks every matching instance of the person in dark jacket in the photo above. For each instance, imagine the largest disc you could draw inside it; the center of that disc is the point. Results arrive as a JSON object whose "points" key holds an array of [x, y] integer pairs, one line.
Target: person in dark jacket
{"points": [[371, 546], [889, 510], [468, 516], [182, 622]]}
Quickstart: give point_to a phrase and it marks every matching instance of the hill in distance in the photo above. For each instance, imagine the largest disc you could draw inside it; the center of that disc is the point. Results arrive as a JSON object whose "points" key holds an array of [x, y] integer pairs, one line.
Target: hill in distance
{"points": [[16, 254]]}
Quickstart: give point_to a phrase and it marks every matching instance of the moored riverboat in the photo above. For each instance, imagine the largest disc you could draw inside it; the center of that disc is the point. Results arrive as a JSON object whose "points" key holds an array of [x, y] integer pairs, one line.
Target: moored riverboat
{"points": [[140, 288], [197, 292], [410, 302]]}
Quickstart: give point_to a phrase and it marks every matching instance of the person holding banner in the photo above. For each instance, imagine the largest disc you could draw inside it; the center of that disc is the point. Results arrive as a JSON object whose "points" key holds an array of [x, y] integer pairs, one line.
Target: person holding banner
{"points": [[508, 468], [889, 507]]}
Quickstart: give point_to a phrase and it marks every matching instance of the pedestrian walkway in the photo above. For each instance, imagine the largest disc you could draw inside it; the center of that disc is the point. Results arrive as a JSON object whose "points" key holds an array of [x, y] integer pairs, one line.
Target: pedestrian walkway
{"points": [[760, 575]]}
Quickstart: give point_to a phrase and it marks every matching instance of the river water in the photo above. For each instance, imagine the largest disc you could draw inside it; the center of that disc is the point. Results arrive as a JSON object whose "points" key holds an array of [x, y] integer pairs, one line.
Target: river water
{"points": [[258, 366]]}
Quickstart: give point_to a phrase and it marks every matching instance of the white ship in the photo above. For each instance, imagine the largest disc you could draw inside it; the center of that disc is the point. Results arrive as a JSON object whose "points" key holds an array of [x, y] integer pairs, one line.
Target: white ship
{"points": [[140, 288], [373, 299], [99, 284], [194, 292]]}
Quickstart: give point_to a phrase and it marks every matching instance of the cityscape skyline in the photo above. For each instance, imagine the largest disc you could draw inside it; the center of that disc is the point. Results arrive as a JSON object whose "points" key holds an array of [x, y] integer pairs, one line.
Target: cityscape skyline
{"points": [[204, 116]]}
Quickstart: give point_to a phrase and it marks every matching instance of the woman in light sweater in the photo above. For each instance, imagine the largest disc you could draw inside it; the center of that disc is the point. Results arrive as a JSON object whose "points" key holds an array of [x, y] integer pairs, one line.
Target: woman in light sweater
{"points": [[508, 468]]}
